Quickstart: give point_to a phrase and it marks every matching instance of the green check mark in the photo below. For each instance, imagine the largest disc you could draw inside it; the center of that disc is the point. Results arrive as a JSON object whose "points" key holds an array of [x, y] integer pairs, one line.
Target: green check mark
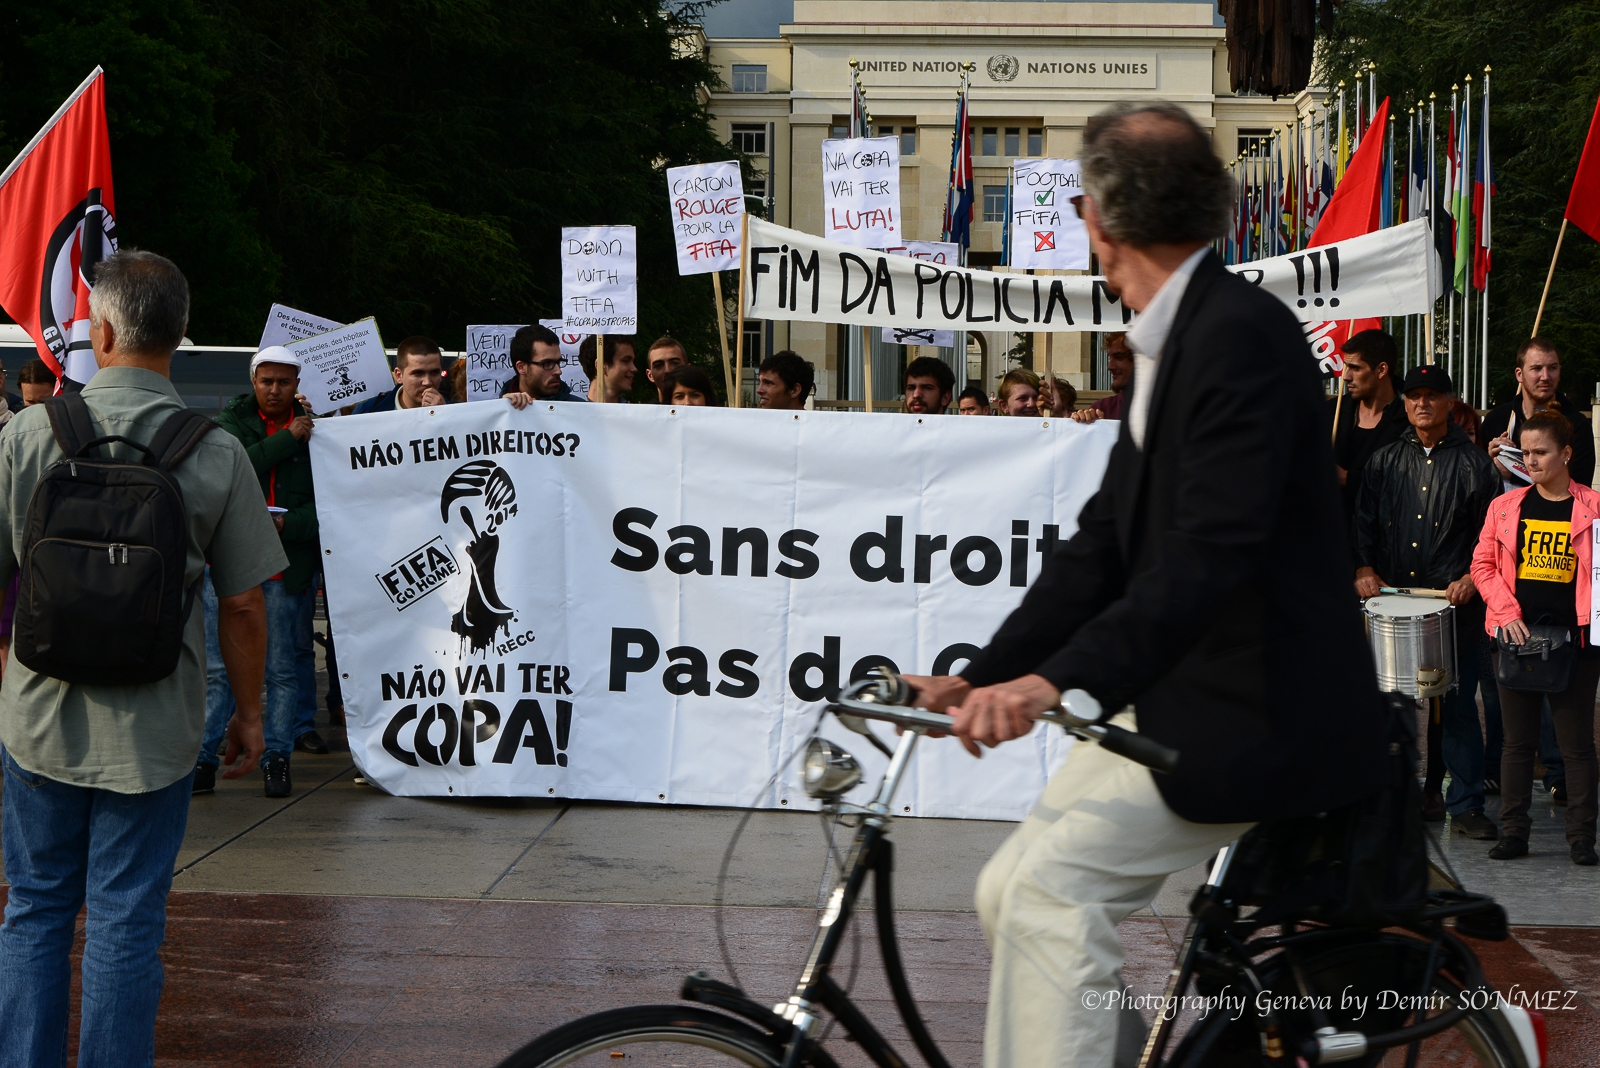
{"points": [[1045, 199]]}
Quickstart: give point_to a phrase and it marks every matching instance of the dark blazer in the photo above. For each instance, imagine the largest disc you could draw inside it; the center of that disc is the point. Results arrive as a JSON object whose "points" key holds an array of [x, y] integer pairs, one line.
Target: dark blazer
{"points": [[1209, 582]]}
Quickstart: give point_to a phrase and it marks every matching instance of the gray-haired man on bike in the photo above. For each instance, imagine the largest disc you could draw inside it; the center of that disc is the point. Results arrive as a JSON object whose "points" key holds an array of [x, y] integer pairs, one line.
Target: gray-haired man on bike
{"points": [[1207, 585]]}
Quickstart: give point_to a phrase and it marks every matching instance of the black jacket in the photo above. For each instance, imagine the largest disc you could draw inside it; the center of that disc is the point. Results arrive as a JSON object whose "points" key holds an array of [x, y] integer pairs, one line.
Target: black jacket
{"points": [[1209, 580], [1419, 516], [1352, 455], [1510, 415]]}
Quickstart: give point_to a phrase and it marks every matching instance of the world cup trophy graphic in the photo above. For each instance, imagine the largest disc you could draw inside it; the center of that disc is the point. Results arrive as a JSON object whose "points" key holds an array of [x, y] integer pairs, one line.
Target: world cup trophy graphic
{"points": [[483, 614]]}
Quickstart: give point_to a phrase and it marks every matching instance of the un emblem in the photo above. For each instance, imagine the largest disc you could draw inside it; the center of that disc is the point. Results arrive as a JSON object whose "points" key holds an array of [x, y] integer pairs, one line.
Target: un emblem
{"points": [[1003, 68]]}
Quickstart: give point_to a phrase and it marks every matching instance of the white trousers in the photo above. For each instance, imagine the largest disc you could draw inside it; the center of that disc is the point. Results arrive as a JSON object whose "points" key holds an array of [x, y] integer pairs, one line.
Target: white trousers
{"points": [[1095, 849]]}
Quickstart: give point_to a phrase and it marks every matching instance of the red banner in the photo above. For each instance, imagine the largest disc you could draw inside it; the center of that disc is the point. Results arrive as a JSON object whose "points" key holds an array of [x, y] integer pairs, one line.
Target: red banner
{"points": [[58, 220]]}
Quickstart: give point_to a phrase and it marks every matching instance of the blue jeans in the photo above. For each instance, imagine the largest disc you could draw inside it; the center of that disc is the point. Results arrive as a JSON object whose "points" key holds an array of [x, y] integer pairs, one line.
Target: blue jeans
{"points": [[305, 665], [1462, 739], [67, 846], [283, 685]]}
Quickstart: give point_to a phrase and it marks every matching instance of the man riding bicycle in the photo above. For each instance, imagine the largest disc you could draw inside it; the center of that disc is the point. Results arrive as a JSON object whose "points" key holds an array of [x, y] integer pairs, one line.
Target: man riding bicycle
{"points": [[1207, 587]]}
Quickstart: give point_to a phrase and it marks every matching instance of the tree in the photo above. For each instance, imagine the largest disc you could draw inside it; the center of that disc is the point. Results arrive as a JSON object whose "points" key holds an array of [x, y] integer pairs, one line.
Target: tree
{"points": [[409, 160], [1545, 56], [178, 182]]}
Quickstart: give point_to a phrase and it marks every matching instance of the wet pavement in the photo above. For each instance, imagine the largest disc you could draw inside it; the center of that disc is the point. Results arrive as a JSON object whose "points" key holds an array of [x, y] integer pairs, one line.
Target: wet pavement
{"points": [[347, 927]]}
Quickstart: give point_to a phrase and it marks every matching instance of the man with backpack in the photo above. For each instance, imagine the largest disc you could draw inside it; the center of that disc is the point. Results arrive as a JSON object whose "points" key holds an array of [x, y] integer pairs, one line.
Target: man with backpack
{"points": [[274, 429], [103, 701]]}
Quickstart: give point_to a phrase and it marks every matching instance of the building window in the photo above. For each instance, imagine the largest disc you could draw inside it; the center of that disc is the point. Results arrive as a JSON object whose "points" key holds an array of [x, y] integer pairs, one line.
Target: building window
{"points": [[1254, 142], [908, 140], [749, 77], [1013, 140], [754, 336], [991, 141], [757, 188], [994, 203], [750, 138], [839, 132], [1035, 141]]}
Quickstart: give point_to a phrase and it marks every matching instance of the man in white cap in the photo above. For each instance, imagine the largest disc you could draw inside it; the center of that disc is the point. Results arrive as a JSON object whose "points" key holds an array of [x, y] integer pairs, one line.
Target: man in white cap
{"points": [[274, 429]]}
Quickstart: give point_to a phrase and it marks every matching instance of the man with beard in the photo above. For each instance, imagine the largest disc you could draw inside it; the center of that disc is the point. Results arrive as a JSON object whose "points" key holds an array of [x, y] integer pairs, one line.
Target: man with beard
{"points": [[929, 385]]}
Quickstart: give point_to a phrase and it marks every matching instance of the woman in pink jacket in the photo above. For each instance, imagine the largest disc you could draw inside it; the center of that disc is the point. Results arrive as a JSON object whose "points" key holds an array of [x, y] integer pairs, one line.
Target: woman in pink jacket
{"points": [[1532, 565]]}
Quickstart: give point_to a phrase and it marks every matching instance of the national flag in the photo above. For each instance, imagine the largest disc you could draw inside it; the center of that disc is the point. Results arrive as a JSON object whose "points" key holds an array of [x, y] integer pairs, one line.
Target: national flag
{"points": [[1583, 203], [1418, 185], [1463, 205], [1352, 210], [1386, 212], [1483, 191], [958, 201], [58, 221]]}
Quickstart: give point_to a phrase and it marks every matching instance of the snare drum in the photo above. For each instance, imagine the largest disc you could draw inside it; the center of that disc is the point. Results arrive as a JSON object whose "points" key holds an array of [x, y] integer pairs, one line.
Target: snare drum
{"points": [[1413, 643]]}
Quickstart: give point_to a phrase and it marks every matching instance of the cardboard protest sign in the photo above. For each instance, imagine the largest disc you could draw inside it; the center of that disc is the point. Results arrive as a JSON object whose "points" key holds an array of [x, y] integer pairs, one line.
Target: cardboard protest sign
{"points": [[861, 191], [1385, 272], [600, 279], [571, 369], [344, 366], [285, 325], [1046, 233], [707, 200], [488, 360]]}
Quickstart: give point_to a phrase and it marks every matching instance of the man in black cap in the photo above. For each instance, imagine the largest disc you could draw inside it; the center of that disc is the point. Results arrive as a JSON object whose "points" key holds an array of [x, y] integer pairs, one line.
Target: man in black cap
{"points": [[1418, 514]]}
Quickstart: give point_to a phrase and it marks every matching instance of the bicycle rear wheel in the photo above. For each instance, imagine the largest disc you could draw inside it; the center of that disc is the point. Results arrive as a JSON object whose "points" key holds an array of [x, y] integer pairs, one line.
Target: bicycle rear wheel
{"points": [[651, 1036], [1372, 983]]}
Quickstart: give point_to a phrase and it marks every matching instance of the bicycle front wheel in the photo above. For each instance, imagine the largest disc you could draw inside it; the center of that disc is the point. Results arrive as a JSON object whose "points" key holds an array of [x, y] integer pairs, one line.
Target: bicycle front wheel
{"points": [[651, 1036]]}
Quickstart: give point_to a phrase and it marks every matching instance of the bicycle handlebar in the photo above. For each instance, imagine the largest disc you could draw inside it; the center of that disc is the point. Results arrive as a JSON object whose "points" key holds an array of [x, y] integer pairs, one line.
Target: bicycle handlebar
{"points": [[887, 697]]}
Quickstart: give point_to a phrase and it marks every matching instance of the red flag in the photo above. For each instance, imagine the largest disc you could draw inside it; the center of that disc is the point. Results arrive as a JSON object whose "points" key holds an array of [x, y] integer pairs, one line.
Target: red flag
{"points": [[58, 216], [1353, 210], [1583, 204]]}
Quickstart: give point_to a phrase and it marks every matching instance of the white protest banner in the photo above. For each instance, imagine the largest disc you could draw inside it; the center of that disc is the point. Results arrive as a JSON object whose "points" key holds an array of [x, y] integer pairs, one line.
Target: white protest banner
{"points": [[285, 325], [571, 368], [600, 279], [1385, 272], [861, 191], [1046, 233], [1594, 586], [704, 578], [707, 200], [489, 360], [342, 367], [945, 253]]}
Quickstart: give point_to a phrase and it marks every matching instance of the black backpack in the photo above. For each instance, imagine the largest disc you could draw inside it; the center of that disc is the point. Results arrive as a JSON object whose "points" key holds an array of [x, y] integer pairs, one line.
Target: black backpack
{"points": [[101, 598]]}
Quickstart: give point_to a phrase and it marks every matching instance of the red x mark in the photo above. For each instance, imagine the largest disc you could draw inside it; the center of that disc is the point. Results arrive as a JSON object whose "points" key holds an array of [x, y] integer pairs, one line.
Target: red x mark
{"points": [[1044, 240]]}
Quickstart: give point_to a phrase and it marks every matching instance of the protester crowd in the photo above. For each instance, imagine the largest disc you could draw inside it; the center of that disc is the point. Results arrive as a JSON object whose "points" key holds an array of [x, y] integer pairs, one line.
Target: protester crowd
{"points": [[1494, 515]]}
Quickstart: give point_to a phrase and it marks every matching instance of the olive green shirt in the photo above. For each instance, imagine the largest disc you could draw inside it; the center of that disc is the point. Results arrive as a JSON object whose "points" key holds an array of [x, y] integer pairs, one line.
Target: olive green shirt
{"points": [[131, 739]]}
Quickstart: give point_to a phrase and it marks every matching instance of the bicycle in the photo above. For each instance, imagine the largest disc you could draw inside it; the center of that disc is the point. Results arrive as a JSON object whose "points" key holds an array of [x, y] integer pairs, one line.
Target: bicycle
{"points": [[1301, 985]]}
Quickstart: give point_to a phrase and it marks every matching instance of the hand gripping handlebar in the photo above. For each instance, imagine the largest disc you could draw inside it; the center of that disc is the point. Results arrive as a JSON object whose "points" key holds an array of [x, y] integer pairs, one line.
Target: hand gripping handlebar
{"points": [[886, 696]]}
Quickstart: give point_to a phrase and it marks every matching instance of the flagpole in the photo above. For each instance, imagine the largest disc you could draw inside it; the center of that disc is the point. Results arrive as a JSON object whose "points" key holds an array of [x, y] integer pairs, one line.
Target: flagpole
{"points": [[736, 399], [1483, 227], [1451, 208], [1466, 219], [1548, 276], [1338, 156], [1432, 194]]}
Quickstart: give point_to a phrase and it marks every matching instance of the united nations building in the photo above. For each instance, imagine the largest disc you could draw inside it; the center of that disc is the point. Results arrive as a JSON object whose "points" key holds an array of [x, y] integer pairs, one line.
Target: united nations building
{"points": [[1040, 69]]}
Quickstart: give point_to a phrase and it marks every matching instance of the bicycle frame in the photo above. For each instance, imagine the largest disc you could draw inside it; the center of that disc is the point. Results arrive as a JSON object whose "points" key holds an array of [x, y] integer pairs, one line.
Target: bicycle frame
{"points": [[1214, 934]]}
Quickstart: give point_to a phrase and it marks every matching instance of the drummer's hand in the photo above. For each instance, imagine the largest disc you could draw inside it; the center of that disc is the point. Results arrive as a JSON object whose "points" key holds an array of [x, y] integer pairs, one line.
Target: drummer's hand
{"points": [[1516, 632], [994, 714], [1461, 590], [1368, 584], [937, 693]]}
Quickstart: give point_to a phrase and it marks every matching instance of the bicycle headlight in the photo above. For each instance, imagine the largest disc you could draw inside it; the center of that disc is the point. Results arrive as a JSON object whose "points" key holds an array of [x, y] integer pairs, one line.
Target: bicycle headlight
{"points": [[829, 770]]}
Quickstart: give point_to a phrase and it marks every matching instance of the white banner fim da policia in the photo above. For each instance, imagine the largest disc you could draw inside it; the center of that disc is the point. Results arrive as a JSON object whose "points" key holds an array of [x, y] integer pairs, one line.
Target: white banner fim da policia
{"points": [[795, 276], [647, 604]]}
